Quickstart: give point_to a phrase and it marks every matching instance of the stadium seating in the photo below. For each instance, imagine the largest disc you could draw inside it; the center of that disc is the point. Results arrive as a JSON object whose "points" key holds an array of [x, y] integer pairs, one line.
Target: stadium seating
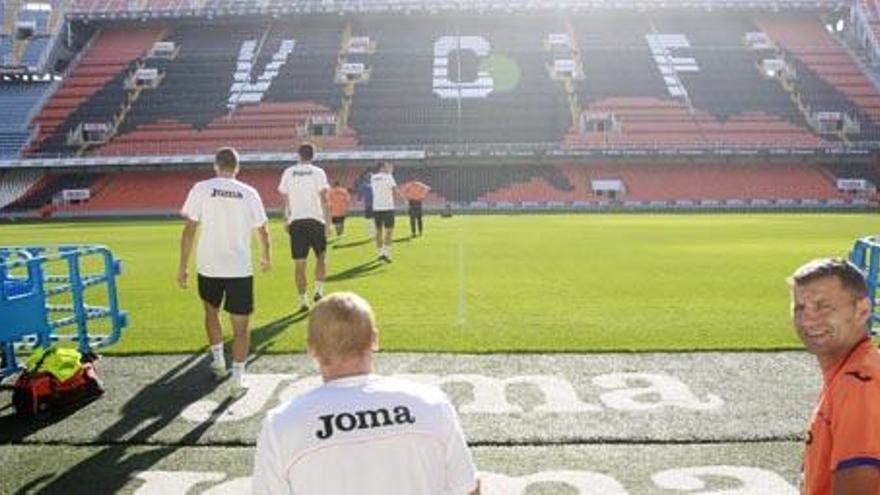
{"points": [[99, 6], [725, 102], [15, 183], [39, 16], [45, 17], [17, 101], [5, 50], [399, 105], [726, 99], [856, 171], [141, 191], [97, 79], [872, 12], [164, 191], [827, 78], [669, 182], [191, 109], [48, 189]]}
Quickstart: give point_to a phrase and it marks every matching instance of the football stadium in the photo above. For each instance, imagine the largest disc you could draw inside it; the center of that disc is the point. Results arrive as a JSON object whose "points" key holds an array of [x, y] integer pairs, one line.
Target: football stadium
{"points": [[619, 190]]}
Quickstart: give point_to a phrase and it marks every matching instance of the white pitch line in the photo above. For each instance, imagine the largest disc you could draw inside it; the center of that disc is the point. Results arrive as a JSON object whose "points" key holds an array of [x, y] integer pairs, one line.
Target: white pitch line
{"points": [[462, 290]]}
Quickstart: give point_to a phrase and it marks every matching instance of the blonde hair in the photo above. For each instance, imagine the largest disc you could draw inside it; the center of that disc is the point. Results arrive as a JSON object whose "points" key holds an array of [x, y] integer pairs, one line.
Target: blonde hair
{"points": [[341, 326]]}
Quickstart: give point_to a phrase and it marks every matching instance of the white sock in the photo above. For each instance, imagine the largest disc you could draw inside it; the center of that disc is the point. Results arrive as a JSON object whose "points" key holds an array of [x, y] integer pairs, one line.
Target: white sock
{"points": [[238, 373], [319, 287], [303, 300], [387, 249], [217, 354], [382, 251]]}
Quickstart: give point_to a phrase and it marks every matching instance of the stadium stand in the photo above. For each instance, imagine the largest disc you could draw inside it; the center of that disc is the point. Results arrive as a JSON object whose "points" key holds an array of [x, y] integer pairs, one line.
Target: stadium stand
{"points": [[463, 87], [101, 6], [827, 78], [98, 80], [711, 92], [869, 172], [508, 95], [669, 182], [5, 50], [202, 102], [16, 183], [661, 80], [164, 191], [145, 192], [46, 192], [17, 101], [27, 33]]}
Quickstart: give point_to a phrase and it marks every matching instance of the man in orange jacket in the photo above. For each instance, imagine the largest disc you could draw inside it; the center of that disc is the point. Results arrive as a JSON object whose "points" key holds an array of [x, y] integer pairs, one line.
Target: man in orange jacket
{"points": [[339, 200], [415, 193], [831, 309]]}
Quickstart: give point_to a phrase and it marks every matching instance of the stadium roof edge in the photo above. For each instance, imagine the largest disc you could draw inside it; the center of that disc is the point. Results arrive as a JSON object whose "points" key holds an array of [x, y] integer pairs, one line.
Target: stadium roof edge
{"points": [[420, 7]]}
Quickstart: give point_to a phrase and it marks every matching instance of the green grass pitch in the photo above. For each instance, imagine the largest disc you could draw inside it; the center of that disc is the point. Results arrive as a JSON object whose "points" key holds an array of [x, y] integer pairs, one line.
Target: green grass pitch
{"points": [[505, 283]]}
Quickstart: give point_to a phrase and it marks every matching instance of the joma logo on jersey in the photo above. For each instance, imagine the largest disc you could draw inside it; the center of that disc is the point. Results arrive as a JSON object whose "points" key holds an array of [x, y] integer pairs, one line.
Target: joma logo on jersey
{"points": [[220, 193], [362, 420]]}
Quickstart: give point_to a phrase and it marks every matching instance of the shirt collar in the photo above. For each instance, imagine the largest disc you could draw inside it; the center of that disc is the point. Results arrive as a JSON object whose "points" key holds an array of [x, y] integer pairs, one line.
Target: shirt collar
{"points": [[863, 346], [349, 381]]}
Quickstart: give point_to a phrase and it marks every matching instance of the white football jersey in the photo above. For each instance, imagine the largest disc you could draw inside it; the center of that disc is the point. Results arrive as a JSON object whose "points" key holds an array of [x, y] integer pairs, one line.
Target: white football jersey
{"points": [[383, 191], [364, 435], [302, 186], [228, 211]]}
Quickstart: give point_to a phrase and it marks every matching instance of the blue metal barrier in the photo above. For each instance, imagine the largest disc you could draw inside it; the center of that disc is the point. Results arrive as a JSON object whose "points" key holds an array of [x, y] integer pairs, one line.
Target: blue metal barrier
{"points": [[866, 255], [32, 277]]}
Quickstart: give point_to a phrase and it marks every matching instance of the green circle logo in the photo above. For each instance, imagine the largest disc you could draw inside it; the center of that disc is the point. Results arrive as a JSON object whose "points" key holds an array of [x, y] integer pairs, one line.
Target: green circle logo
{"points": [[504, 71]]}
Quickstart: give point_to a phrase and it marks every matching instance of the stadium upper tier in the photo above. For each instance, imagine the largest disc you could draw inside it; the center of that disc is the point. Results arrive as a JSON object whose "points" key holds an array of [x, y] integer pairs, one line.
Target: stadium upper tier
{"points": [[649, 80], [27, 30], [165, 8]]}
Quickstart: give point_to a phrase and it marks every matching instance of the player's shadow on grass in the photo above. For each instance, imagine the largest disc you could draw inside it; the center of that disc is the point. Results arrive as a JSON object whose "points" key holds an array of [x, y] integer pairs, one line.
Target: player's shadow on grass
{"points": [[263, 336], [362, 270], [351, 244], [113, 467], [15, 430], [150, 411], [402, 239]]}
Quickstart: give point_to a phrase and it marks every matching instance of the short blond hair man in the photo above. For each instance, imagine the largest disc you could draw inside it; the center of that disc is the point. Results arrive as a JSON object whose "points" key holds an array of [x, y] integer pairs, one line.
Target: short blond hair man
{"points": [[360, 433]]}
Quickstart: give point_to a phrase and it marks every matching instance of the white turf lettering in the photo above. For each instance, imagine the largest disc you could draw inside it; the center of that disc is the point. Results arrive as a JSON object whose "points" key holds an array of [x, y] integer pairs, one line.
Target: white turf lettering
{"points": [[237, 486], [752, 481], [671, 392], [490, 394], [584, 482], [635, 392], [165, 482], [261, 388]]}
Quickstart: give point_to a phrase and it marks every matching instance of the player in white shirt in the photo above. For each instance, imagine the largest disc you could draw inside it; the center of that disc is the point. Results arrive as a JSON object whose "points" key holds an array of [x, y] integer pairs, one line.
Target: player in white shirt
{"points": [[360, 433], [228, 211], [307, 215], [384, 187]]}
